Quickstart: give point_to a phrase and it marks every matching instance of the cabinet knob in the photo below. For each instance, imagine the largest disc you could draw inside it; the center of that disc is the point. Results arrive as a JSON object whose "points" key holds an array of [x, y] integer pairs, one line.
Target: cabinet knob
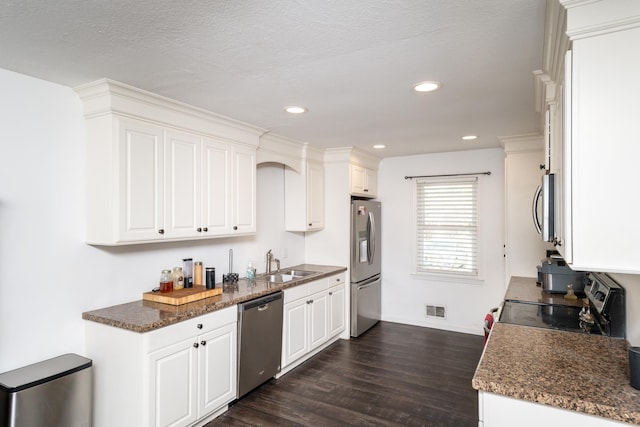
{"points": [[543, 166], [203, 342], [161, 231], [366, 190], [199, 230], [310, 224], [196, 345], [205, 229], [330, 293], [199, 326], [308, 301], [235, 227]]}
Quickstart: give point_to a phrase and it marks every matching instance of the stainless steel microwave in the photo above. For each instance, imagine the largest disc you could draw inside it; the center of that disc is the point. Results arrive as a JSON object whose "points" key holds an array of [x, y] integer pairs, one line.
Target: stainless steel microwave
{"points": [[543, 216]]}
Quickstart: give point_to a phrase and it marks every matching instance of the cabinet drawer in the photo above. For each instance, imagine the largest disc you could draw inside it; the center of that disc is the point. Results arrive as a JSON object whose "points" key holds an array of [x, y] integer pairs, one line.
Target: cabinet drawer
{"points": [[295, 293], [189, 328], [318, 286], [336, 280]]}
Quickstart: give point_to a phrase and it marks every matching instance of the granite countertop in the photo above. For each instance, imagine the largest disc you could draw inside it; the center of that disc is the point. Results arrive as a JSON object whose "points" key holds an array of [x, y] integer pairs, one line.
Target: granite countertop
{"points": [[145, 316], [574, 371]]}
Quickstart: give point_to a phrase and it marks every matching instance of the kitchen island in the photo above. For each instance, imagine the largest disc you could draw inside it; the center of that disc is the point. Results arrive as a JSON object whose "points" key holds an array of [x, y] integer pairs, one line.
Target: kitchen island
{"points": [[527, 375]]}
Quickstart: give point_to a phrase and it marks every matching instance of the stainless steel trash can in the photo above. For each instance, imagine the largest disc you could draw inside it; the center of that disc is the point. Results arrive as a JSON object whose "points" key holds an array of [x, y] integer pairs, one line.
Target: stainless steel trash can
{"points": [[54, 392]]}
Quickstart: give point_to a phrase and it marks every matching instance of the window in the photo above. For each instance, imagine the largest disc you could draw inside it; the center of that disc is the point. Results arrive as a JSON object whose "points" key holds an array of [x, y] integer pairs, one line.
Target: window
{"points": [[446, 226]]}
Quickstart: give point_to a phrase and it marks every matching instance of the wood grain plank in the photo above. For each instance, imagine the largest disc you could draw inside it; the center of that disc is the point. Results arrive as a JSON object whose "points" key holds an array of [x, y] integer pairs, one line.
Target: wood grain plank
{"points": [[392, 375]]}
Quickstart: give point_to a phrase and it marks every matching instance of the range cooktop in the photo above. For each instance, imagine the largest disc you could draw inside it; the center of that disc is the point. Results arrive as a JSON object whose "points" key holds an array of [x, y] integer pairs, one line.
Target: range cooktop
{"points": [[558, 317]]}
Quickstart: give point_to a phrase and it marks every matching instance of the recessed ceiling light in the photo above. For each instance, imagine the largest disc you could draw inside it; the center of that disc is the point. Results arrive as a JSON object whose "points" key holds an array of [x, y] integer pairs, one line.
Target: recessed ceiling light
{"points": [[470, 137], [379, 146], [426, 86], [293, 109]]}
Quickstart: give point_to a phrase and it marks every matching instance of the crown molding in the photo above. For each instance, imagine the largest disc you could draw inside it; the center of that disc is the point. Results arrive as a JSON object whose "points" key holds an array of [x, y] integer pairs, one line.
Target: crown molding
{"points": [[589, 18], [107, 96], [530, 142]]}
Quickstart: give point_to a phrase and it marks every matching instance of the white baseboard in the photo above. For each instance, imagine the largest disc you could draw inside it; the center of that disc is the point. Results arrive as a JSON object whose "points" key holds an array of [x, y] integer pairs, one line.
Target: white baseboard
{"points": [[435, 325]]}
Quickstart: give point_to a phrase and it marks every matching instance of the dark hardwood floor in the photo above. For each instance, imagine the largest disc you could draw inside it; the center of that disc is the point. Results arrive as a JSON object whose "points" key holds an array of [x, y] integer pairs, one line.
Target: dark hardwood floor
{"points": [[394, 374]]}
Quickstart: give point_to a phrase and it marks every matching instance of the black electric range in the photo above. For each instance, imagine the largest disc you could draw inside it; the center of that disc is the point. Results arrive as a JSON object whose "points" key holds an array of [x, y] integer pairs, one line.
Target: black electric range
{"points": [[605, 301]]}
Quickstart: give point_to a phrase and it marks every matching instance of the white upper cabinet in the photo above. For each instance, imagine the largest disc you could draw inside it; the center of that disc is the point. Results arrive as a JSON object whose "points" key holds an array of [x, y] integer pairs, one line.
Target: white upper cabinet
{"points": [[139, 195], [182, 179], [597, 101], [160, 170], [363, 181], [244, 191], [304, 193], [304, 198]]}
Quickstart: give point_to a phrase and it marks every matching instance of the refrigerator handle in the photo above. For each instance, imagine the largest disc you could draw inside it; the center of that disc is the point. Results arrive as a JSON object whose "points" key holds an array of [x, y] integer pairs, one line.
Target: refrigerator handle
{"points": [[371, 235]]}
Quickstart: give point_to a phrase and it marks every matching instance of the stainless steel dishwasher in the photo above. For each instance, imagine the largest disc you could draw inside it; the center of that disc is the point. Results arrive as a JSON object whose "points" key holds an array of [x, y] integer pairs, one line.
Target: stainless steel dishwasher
{"points": [[259, 341]]}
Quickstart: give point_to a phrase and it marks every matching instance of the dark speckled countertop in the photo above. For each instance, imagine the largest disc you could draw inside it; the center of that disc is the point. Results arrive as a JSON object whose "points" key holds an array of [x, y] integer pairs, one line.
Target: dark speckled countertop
{"points": [[145, 316], [584, 373]]}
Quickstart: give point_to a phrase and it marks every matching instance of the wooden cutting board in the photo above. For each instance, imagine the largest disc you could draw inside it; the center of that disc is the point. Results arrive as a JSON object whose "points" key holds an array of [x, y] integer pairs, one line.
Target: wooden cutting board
{"points": [[182, 296]]}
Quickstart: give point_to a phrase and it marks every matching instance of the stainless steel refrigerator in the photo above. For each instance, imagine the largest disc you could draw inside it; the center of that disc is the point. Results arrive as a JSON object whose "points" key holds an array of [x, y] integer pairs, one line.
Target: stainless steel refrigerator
{"points": [[365, 265]]}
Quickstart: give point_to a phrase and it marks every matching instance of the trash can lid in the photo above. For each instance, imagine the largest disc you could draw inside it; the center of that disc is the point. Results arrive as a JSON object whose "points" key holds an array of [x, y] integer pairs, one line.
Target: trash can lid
{"points": [[42, 372]]}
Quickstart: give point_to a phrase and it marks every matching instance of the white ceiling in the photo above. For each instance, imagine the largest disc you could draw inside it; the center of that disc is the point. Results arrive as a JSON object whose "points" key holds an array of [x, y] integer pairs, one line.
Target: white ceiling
{"points": [[352, 63]]}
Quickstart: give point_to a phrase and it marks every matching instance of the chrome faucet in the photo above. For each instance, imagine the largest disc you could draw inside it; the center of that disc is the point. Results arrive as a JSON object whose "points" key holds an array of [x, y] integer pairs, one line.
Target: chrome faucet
{"points": [[270, 259]]}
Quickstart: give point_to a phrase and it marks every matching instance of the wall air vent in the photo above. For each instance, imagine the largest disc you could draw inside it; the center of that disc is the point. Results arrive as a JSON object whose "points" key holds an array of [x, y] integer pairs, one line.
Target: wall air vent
{"points": [[436, 311]]}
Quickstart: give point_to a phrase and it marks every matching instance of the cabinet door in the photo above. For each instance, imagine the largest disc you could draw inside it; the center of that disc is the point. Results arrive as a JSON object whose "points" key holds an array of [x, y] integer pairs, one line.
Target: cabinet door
{"points": [[371, 183], [604, 153], [315, 196], [217, 367], [172, 385], [182, 179], [141, 184], [216, 188], [357, 179], [244, 190], [336, 320], [294, 331], [318, 328]]}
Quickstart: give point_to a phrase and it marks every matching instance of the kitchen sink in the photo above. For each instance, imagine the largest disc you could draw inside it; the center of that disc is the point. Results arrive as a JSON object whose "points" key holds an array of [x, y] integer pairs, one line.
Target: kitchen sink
{"points": [[299, 273], [285, 276]]}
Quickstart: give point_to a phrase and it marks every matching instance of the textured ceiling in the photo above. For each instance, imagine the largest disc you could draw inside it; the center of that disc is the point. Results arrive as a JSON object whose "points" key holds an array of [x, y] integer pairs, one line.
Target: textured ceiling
{"points": [[352, 63]]}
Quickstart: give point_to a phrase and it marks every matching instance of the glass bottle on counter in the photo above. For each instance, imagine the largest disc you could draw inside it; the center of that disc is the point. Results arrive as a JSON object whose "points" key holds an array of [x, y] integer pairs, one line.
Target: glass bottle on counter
{"points": [[178, 278], [166, 281], [187, 270]]}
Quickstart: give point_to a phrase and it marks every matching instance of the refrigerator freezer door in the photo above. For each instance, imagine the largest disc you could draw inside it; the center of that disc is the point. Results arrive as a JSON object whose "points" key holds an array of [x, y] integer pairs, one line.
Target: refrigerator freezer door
{"points": [[365, 247], [365, 305]]}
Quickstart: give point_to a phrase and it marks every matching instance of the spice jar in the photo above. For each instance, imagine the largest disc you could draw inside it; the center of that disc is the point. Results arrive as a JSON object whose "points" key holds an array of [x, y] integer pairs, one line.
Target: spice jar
{"points": [[166, 281], [197, 273], [178, 278]]}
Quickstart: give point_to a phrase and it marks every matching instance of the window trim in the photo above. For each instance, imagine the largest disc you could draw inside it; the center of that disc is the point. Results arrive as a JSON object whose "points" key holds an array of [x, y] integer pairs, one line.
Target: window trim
{"points": [[453, 277]]}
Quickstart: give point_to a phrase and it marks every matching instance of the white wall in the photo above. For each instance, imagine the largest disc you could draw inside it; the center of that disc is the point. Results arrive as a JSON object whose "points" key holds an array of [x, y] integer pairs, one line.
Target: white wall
{"points": [[524, 246], [404, 297], [48, 275]]}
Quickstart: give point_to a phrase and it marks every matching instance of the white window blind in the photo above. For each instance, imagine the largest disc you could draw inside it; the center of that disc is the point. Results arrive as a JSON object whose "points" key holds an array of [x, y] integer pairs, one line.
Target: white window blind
{"points": [[447, 225]]}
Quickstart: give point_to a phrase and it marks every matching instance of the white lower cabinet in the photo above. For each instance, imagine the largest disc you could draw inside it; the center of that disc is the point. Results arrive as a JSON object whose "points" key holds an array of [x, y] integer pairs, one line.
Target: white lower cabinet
{"points": [[337, 295], [179, 375], [501, 411], [313, 315]]}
